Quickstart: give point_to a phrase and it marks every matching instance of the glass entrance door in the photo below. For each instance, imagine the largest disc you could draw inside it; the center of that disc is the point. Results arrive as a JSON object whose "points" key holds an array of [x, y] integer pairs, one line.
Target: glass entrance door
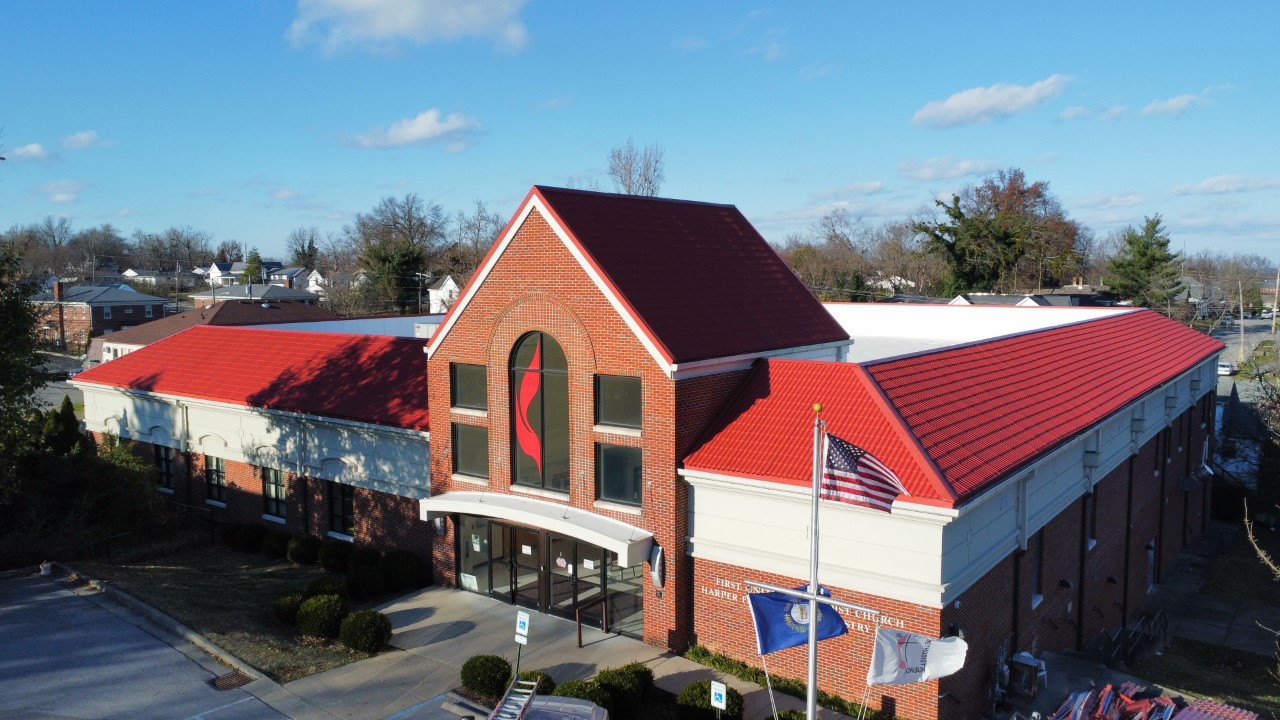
{"points": [[564, 575], [501, 561], [527, 573]]}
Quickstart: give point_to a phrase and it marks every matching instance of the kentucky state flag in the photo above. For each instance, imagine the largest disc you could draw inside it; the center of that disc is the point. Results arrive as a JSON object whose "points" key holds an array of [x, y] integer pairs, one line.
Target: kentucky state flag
{"points": [[782, 621]]}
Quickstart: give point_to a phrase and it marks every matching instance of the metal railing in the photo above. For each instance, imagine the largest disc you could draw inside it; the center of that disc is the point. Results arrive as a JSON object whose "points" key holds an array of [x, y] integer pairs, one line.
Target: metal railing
{"points": [[1125, 644], [604, 614]]}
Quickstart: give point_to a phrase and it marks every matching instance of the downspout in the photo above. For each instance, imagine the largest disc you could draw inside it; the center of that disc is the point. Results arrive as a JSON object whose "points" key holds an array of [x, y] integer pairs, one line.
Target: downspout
{"points": [[1084, 554], [1128, 550], [1017, 602], [299, 467], [1162, 447]]}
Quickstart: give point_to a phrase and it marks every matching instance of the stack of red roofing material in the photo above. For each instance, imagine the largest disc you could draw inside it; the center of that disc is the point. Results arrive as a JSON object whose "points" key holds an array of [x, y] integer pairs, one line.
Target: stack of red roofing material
{"points": [[1213, 710]]}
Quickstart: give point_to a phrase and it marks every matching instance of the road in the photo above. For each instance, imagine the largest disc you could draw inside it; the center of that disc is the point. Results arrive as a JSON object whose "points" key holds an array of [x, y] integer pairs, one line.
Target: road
{"points": [[1254, 332], [50, 396]]}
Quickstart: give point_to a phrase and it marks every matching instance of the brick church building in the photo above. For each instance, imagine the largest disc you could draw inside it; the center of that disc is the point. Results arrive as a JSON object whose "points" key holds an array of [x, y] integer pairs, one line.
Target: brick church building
{"points": [[616, 417]]}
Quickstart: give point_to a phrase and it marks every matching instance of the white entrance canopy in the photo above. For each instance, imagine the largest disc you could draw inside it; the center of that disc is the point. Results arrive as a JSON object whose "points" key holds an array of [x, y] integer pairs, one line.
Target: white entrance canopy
{"points": [[628, 541]]}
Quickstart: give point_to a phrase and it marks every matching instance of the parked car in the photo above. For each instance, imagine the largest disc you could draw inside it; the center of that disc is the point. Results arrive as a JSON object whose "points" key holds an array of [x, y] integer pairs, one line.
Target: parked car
{"points": [[1226, 368], [1266, 314], [74, 372]]}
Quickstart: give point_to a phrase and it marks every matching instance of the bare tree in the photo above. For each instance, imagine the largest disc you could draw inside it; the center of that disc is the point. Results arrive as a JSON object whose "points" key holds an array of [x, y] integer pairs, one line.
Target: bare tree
{"points": [[637, 171], [303, 247], [229, 251], [472, 235]]}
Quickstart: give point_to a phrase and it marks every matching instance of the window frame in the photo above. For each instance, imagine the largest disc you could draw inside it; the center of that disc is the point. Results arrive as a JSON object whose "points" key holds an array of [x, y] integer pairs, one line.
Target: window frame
{"points": [[454, 367], [454, 437], [163, 457], [342, 519], [274, 478], [601, 449], [149, 311], [556, 375], [602, 379], [215, 479], [106, 312]]}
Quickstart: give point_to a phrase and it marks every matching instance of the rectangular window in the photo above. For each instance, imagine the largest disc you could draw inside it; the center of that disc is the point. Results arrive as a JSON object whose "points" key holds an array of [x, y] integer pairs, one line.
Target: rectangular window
{"points": [[342, 509], [469, 386], [618, 473], [273, 492], [150, 311], [106, 313], [471, 450], [618, 401], [164, 461], [215, 479]]}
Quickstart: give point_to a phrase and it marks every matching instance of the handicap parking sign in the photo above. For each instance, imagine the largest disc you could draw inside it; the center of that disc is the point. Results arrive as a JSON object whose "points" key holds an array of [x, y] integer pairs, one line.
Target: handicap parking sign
{"points": [[718, 696], [522, 623]]}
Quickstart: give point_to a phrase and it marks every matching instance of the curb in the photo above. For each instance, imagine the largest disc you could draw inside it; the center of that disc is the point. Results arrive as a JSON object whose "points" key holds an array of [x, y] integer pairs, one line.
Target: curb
{"points": [[141, 609], [462, 707]]}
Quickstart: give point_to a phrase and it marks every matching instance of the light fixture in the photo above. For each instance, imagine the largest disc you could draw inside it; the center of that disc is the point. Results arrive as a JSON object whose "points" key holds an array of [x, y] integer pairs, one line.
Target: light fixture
{"points": [[1064, 583], [441, 524]]}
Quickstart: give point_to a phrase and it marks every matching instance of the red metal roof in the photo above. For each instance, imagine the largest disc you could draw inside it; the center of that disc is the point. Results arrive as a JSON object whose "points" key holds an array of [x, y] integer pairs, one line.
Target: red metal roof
{"points": [[955, 421], [368, 378], [697, 276]]}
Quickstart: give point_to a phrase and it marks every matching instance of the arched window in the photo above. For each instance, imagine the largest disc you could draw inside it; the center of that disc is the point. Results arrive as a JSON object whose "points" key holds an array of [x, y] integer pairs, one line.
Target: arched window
{"points": [[540, 413]]}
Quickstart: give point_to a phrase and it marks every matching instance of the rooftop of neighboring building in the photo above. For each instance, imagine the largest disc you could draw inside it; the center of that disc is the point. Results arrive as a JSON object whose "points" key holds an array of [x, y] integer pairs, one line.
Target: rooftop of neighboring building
{"points": [[229, 312], [253, 292], [98, 295]]}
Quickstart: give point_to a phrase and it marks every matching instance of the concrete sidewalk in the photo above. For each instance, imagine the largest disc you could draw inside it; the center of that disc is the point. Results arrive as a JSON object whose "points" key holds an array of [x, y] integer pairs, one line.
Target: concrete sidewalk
{"points": [[436, 630]]}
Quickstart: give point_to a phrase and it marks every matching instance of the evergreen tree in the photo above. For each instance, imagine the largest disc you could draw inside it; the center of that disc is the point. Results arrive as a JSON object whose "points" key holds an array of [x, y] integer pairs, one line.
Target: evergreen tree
{"points": [[1145, 272], [252, 268], [20, 363]]}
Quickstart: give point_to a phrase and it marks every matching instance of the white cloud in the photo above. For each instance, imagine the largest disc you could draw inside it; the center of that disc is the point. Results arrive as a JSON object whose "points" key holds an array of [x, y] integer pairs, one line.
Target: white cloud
{"points": [[690, 44], [816, 70], [80, 140], [379, 24], [944, 168], [556, 103], [1174, 106], [772, 51], [984, 104], [1099, 201], [284, 194], [870, 187], [1074, 112], [1115, 112], [1223, 184], [124, 212], [427, 127], [63, 191], [32, 151]]}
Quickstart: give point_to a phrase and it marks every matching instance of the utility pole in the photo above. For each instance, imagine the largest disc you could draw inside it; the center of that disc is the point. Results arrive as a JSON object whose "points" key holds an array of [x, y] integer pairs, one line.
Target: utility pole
{"points": [[1241, 284], [1275, 300]]}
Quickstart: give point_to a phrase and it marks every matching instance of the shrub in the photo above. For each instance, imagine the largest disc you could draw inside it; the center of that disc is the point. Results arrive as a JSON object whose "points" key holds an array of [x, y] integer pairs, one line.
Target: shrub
{"points": [[643, 673], [790, 715], [276, 544], [584, 690], [365, 630], [625, 690], [546, 685], [694, 703], [404, 570], [304, 550], [231, 534], [363, 557], [486, 675], [250, 538], [365, 582], [334, 554], [322, 615], [327, 586], [286, 607]]}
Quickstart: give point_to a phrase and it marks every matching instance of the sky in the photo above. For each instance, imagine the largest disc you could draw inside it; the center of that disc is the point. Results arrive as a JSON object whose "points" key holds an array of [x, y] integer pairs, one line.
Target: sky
{"points": [[248, 119]]}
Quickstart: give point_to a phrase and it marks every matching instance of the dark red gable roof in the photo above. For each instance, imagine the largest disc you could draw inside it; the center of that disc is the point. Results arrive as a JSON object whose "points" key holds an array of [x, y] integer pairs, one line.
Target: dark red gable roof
{"points": [[227, 312], [367, 378], [698, 276], [955, 421]]}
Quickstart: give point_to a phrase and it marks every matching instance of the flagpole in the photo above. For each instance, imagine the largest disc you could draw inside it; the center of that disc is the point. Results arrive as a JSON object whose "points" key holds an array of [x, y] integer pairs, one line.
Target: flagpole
{"points": [[811, 698]]}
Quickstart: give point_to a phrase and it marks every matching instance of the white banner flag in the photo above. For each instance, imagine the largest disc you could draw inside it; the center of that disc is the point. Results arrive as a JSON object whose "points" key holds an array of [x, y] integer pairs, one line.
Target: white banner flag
{"points": [[902, 657]]}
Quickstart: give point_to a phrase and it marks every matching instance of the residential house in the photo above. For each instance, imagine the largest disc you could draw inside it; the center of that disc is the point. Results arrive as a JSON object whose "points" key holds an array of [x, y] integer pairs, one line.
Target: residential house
{"points": [[441, 293], [71, 316], [229, 273], [289, 277], [580, 440], [252, 292]]}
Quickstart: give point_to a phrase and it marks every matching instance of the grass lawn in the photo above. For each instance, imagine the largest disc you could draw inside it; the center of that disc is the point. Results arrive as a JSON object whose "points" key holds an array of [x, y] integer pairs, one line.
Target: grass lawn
{"points": [[1212, 671], [226, 597], [1237, 574]]}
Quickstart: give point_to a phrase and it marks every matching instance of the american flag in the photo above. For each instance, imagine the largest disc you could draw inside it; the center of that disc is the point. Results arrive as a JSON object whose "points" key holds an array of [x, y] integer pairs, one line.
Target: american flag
{"points": [[853, 475]]}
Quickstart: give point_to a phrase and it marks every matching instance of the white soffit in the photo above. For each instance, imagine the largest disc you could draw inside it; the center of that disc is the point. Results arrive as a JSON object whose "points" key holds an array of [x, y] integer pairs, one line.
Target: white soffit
{"points": [[628, 541]]}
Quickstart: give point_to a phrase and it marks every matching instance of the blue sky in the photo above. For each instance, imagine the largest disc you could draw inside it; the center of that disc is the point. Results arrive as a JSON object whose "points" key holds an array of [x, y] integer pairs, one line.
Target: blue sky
{"points": [[250, 119]]}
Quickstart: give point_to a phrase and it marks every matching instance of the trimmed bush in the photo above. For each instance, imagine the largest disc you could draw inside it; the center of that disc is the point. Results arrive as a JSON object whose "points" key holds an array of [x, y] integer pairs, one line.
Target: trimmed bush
{"points": [[365, 582], [643, 673], [365, 630], [404, 570], [276, 544], [790, 715], [250, 538], [322, 615], [327, 586], [231, 534], [625, 690], [334, 554], [546, 685], [363, 557], [486, 675], [584, 690], [304, 550], [694, 703], [286, 607]]}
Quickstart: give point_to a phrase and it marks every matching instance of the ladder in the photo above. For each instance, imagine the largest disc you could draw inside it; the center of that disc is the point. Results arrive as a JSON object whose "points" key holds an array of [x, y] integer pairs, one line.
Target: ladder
{"points": [[516, 701]]}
